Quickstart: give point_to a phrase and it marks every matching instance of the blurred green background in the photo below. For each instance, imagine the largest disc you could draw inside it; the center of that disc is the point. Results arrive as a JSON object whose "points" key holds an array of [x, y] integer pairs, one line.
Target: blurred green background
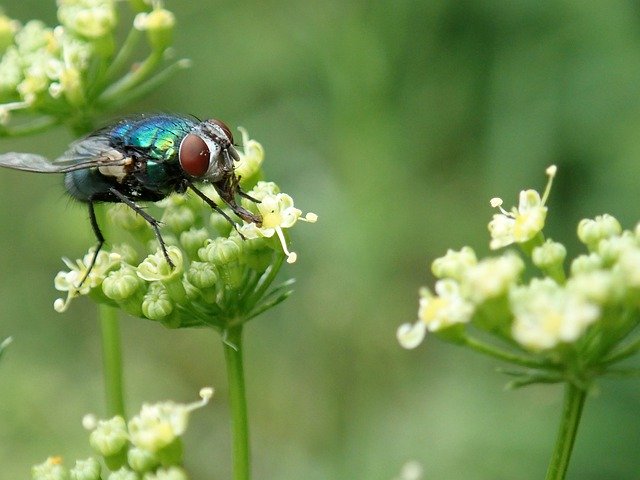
{"points": [[395, 122]]}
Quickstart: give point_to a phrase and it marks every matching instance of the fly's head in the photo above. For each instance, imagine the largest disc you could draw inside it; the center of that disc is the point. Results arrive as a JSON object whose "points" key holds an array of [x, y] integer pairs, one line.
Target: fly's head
{"points": [[207, 152]]}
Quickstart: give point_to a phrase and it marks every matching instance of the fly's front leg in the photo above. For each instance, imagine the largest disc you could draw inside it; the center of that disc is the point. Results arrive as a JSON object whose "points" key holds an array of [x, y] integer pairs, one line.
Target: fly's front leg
{"points": [[247, 196], [152, 221], [213, 205]]}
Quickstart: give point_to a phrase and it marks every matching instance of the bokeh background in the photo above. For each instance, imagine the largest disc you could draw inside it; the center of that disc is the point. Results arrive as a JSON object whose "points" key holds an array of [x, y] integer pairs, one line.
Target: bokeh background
{"points": [[395, 122]]}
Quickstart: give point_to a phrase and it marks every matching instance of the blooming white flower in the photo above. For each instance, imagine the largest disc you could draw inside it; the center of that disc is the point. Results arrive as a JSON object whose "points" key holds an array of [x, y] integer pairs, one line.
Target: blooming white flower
{"points": [[598, 286], [455, 263], [34, 37], [446, 308], [158, 425], [51, 469], [36, 79], [10, 71], [436, 312], [546, 314], [8, 28], [69, 281], [66, 72], [410, 335], [158, 18], [523, 223], [251, 156], [491, 277], [88, 18], [277, 212], [158, 23], [629, 267]]}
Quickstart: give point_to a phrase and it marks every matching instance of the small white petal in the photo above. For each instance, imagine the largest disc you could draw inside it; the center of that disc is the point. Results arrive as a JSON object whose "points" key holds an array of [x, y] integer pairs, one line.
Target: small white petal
{"points": [[410, 335]]}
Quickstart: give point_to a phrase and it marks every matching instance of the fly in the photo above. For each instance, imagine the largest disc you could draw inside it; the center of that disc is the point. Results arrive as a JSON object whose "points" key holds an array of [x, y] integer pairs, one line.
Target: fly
{"points": [[145, 158]]}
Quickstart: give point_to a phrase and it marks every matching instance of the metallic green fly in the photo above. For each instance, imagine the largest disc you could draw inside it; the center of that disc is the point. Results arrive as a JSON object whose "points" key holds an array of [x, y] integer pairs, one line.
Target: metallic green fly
{"points": [[145, 158]]}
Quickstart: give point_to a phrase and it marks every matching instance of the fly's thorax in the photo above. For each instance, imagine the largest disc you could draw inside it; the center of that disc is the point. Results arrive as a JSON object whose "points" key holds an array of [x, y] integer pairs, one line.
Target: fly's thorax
{"points": [[161, 177]]}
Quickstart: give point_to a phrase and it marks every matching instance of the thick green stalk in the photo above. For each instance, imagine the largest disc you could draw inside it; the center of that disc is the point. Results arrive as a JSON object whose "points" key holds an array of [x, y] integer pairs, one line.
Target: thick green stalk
{"points": [[238, 403], [111, 348], [573, 402], [112, 359]]}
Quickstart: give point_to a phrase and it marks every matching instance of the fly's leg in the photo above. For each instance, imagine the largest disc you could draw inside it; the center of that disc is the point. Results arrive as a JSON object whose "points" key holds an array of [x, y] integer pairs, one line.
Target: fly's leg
{"points": [[247, 196], [98, 233], [236, 187], [152, 221], [213, 205], [227, 193]]}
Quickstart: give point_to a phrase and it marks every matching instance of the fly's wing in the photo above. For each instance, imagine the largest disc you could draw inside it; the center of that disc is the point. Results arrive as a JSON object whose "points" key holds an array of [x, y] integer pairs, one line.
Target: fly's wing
{"points": [[93, 151], [29, 162]]}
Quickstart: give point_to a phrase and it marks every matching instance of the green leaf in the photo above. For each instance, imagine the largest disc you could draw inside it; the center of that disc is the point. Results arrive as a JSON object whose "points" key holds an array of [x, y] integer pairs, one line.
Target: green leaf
{"points": [[270, 301]]}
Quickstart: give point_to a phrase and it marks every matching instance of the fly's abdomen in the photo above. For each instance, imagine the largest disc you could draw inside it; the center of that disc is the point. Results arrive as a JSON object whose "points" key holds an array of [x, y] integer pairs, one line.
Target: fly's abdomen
{"points": [[89, 185], [156, 137]]}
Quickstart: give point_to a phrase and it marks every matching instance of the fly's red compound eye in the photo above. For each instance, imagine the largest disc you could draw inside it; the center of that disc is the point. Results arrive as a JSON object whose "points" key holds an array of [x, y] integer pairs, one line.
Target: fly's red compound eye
{"points": [[224, 128], [194, 155]]}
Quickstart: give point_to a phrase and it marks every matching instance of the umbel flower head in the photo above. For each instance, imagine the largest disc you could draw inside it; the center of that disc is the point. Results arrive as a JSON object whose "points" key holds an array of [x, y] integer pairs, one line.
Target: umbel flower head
{"points": [[70, 72], [147, 447], [220, 275], [563, 322]]}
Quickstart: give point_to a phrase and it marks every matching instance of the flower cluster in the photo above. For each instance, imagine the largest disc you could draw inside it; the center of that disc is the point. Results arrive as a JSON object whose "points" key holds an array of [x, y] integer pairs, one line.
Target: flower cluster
{"points": [[147, 447], [220, 275], [570, 324], [69, 72]]}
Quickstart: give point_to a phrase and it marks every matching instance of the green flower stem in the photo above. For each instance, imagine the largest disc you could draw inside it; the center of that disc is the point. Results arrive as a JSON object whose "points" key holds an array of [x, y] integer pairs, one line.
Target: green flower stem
{"points": [[111, 347], [558, 274], [138, 5], [35, 126], [508, 357], [148, 85], [528, 246], [132, 78], [573, 402], [623, 353], [232, 344], [124, 55], [112, 359]]}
